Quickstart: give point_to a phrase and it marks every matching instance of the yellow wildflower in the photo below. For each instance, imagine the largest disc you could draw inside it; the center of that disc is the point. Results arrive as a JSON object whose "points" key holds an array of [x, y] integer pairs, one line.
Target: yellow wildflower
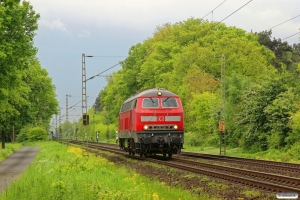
{"points": [[155, 196]]}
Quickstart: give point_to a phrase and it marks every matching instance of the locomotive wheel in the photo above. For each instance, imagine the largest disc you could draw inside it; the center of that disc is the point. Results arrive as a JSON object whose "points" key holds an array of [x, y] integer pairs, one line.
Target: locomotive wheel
{"points": [[170, 154], [164, 154]]}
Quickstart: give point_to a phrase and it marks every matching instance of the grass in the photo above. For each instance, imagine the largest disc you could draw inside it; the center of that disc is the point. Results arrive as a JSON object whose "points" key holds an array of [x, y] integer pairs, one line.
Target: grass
{"points": [[9, 149], [62, 172]]}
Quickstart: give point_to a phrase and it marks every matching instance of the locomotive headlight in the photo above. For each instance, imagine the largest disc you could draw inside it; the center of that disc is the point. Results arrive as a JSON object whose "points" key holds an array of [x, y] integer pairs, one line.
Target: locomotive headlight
{"points": [[175, 127], [159, 93], [145, 127]]}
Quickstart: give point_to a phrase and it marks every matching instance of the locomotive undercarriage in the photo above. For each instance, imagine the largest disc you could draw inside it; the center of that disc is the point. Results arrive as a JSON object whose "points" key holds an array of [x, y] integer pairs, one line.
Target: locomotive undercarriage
{"points": [[151, 145]]}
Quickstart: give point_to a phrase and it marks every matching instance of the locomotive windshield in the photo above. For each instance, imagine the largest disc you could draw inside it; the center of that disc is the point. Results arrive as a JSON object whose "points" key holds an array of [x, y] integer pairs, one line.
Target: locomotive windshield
{"points": [[169, 103], [150, 103]]}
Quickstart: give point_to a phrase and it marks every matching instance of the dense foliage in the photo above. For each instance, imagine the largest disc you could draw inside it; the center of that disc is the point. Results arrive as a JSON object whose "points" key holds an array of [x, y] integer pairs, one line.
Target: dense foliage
{"points": [[27, 95]]}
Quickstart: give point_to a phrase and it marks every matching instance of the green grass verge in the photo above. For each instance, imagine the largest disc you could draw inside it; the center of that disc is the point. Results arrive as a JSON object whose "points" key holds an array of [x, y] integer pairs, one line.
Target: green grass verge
{"points": [[9, 149]]}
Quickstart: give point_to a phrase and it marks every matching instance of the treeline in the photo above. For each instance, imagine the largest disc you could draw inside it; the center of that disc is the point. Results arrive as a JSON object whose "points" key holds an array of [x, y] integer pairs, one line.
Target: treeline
{"points": [[262, 109], [27, 95]]}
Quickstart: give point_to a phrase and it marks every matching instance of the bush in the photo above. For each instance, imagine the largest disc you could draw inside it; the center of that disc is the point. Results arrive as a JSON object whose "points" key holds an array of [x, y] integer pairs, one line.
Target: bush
{"points": [[195, 141], [37, 133], [294, 151], [29, 133], [213, 140], [22, 137]]}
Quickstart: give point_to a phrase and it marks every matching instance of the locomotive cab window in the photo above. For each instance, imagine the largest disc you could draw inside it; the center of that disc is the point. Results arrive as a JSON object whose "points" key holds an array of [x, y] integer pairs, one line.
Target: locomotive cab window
{"points": [[169, 103], [150, 103]]}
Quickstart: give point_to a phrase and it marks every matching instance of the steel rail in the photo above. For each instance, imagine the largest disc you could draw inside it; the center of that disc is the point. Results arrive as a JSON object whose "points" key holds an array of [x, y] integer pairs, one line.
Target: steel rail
{"points": [[285, 166]]}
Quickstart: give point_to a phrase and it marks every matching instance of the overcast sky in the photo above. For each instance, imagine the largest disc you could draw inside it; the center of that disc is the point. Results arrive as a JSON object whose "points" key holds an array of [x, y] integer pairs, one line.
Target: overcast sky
{"points": [[68, 28]]}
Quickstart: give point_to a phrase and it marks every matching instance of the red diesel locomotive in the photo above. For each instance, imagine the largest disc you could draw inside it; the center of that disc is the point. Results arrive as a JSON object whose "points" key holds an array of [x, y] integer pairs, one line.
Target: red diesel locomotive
{"points": [[152, 122]]}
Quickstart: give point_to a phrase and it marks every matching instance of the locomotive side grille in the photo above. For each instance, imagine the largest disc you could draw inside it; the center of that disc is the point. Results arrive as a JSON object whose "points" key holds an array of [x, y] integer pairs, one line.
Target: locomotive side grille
{"points": [[148, 118], [173, 118]]}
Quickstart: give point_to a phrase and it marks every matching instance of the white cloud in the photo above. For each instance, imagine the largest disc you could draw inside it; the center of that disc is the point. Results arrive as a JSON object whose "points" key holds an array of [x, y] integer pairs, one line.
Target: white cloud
{"points": [[53, 24], [84, 34]]}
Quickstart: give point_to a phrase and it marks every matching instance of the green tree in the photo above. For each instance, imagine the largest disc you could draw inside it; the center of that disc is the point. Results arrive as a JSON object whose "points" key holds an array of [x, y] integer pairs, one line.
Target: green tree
{"points": [[27, 95], [267, 108], [17, 25], [285, 54]]}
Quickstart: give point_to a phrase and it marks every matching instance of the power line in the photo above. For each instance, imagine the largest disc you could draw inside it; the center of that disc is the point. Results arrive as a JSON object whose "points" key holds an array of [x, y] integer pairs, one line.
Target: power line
{"points": [[235, 11], [244, 6], [290, 36], [102, 72], [216, 23], [75, 104], [106, 56], [283, 22], [214, 9], [79, 102]]}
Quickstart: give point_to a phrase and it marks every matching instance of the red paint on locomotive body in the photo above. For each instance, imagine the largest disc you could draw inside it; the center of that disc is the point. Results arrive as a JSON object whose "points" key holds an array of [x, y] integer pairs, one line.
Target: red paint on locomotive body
{"points": [[153, 119]]}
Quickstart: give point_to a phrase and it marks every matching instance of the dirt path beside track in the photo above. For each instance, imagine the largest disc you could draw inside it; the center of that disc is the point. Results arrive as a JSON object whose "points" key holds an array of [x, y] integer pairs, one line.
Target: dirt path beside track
{"points": [[14, 165]]}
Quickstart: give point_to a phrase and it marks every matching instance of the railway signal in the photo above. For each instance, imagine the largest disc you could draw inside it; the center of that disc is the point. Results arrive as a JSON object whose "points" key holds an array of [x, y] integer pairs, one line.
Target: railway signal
{"points": [[85, 119], [222, 126]]}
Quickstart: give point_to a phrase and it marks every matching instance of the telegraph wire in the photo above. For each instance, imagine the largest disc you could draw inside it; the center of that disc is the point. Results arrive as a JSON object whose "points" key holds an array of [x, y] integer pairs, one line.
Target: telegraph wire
{"points": [[79, 102], [102, 72], [283, 22], [106, 56], [235, 11], [216, 23], [290, 36], [244, 6], [214, 9]]}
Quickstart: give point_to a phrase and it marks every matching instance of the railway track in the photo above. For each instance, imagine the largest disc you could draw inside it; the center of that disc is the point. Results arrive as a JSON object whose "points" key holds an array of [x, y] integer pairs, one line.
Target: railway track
{"points": [[266, 164], [255, 179], [279, 167]]}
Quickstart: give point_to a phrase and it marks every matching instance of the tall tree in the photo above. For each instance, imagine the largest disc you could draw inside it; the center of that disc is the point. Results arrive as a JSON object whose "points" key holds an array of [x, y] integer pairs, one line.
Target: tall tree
{"points": [[18, 23]]}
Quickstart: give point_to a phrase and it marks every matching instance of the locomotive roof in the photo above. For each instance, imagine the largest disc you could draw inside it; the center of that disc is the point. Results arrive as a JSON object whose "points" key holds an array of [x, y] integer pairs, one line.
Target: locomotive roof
{"points": [[152, 92]]}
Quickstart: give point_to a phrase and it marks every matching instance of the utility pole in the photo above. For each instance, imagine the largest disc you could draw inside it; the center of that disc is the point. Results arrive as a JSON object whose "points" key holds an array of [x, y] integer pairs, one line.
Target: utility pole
{"points": [[222, 108], [94, 106], [59, 123], [85, 117], [13, 137], [56, 127], [67, 114], [84, 104], [3, 139]]}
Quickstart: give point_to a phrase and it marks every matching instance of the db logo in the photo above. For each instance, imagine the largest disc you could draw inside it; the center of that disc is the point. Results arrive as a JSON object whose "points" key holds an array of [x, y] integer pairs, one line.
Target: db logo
{"points": [[161, 118]]}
